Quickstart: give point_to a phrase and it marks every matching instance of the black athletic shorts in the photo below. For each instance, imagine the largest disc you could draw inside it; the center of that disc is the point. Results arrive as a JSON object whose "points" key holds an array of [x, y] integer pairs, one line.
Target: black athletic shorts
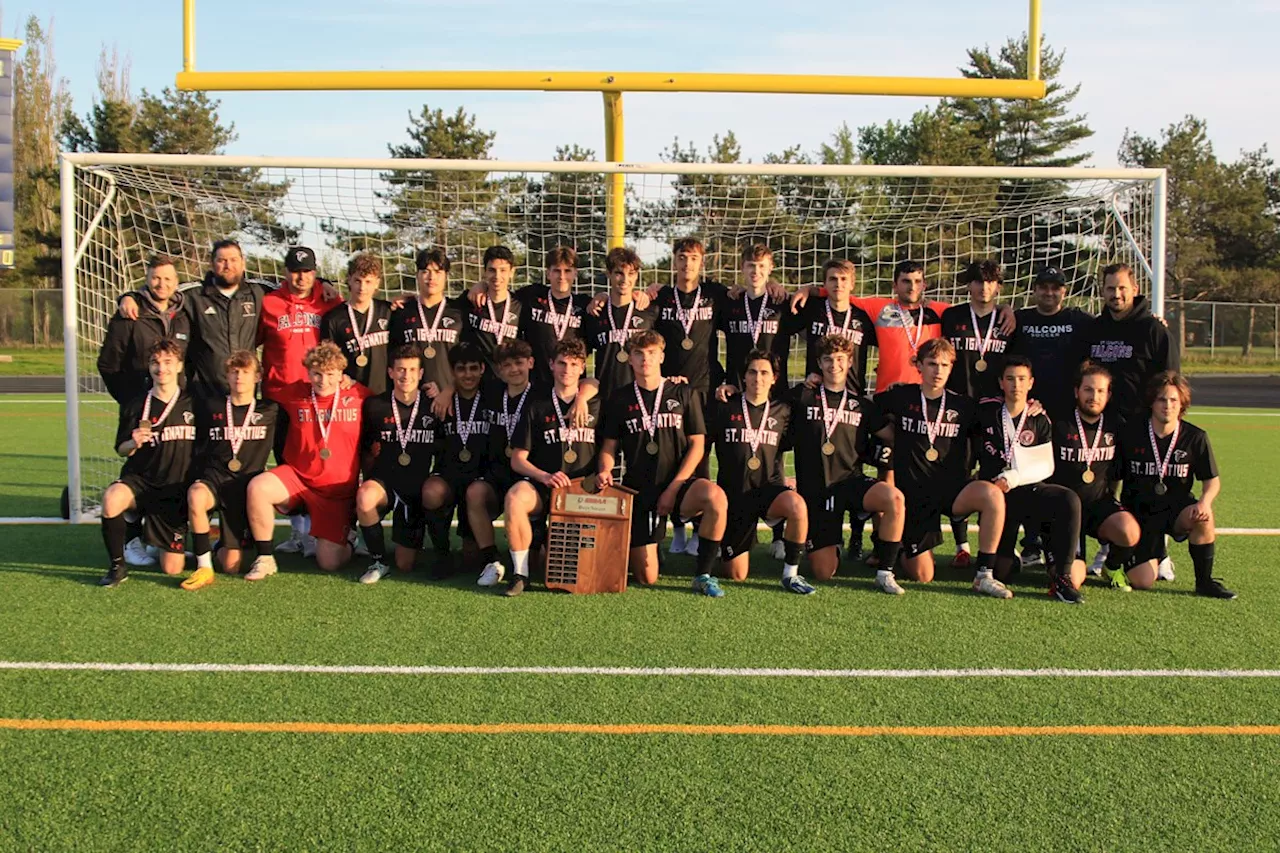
{"points": [[647, 527], [1156, 524], [1096, 513], [408, 518], [163, 510], [925, 509], [744, 511], [230, 501], [827, 509]]}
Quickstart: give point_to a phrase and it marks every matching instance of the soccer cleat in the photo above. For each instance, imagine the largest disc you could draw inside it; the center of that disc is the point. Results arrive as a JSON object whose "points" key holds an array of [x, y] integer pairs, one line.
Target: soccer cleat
{"points": [[136, 554], [357, 544], [1099, 560], [679, 540], [516, 586], [1031, 556], [1119, 580], [778, 550], [492, 574], [292, 545], [1214, 588], [855, 548], [798, 585], [962, 559], [886, 582], [691, 547], [377, 571], [1165, 570], [708, 586], [1060, 590], [263, 567], [115, 576], [200, 578], [308, 546], [986, 584]]}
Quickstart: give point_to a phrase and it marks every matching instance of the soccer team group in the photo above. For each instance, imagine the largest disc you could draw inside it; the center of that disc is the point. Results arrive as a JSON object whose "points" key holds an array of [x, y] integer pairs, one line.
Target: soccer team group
{"points": [[1046, 420]]}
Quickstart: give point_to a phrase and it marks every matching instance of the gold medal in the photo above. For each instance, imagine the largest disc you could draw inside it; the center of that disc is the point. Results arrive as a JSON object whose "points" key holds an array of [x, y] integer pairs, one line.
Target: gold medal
{"points": [[404, 460], [932, 454], [1161, 488], [652, 448], [429, 352], [464, 455], [754, 463], [362, 360], [621, 356], [571, 456], [687, 343], [1087, 476], [234, 465], [325, 453], [828, 448], [980, 365]]}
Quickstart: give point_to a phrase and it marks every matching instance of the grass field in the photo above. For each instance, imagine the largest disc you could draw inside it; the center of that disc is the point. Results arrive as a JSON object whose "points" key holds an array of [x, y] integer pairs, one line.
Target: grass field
{"points": [[660, 759]]}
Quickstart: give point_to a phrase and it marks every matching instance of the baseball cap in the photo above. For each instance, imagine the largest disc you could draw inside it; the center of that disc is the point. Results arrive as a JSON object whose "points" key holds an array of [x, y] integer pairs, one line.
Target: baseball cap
{"points": [[1050, 275], [300, 259]]}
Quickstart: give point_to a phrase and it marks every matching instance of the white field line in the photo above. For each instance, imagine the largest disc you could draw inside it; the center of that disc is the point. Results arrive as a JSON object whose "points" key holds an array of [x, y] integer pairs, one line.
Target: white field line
{"points": [[663, 671]]}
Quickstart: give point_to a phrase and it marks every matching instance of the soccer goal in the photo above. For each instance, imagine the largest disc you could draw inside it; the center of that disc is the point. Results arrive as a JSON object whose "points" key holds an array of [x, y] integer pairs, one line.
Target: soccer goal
{"points": [[120, 209]]}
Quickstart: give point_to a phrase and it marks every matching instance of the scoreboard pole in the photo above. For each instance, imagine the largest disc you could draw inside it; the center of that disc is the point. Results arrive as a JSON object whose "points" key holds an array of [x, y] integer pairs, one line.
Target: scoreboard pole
{"points": [[8, 48]]}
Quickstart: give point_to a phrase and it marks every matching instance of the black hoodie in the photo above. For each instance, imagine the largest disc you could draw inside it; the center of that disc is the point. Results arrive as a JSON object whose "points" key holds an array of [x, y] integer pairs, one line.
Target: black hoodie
{"points": [[1134, 349], [122, 361]]}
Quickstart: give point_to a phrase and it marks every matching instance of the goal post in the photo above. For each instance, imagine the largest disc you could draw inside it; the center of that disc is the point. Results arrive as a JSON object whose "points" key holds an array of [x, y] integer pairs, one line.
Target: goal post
{"points": [[119, 209]]}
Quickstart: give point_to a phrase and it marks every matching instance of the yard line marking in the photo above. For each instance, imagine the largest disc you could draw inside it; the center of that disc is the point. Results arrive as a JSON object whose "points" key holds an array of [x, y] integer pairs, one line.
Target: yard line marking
{"points": [[305, 727], [659, 671]]}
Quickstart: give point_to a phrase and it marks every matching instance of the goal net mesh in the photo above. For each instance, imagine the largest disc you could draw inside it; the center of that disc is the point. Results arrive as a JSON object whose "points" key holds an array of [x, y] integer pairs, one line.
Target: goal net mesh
{"points": [[123, 214]]}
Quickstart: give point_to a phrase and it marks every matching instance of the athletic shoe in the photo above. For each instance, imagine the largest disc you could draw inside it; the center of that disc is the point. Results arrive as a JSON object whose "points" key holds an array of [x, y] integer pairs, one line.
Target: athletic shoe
{"points": [[492, 574], [201, 577], [691, 546], [377, 571], [1061, 590], [679, 540], [798, 585], [263, 567], [708, 586], [778, 550], [1099, 560], [357, 544], [962, 559], [292, 545], [115, 576], [1119, 580], [886, 582], [308, 546], [986, 584], [855, 547], [1032, 557], [1213, 588], [516, 586], [136, 554], [1165, 570]]}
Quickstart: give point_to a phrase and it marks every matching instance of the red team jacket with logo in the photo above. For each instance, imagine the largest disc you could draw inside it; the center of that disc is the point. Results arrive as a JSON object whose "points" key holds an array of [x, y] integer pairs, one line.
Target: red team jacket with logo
{"points": [[288, 328]]}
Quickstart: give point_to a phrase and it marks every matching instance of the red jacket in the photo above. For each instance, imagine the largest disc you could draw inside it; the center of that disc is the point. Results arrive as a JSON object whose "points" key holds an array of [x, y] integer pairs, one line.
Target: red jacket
{"points": [[288, 328]]}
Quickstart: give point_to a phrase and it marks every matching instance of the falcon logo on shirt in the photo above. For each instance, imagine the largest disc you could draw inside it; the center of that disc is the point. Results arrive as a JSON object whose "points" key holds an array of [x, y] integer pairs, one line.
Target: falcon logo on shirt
{"points": [[672, 405], [188, 417]]}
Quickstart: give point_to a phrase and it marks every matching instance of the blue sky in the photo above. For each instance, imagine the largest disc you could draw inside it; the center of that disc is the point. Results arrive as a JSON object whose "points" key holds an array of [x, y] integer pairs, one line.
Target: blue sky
{"points": [[1142, 64]]}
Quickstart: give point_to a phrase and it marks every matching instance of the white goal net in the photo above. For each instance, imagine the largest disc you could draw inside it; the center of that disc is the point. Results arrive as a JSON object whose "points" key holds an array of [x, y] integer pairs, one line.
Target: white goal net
{"points": [[125, 208]]}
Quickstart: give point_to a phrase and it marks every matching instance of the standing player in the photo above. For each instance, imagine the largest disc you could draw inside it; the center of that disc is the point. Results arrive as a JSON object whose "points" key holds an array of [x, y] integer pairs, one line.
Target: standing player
{"points": [[362, 327], [157, 433], [1085, 460], [608, 333], [236, 434], [398, 441], [1008, 423], [1163, 457], [658, 427], [749, 430], [751, 321], [321, 463], [500, 318], [430, 320], [932, 434], [547, 452], [834, 315], [831, 430]]}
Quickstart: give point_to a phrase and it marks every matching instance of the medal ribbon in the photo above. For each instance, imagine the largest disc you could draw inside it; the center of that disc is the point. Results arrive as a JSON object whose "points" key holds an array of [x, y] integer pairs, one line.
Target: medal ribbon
{"points": [[911, 324], [755, 324], [235, 434], [557, 325], [564, 426], [1155, 451], [757, 434], [687, 320], [429, 336], [982, 345], [829, 420], [1089, 453], [509, 421], [649, 420], [1011, 431], [626, 321], [831, 320], [368, 324], [465, 434], [933, 428], [499, 335], [402, 435], [168, 409], [320, 422]]}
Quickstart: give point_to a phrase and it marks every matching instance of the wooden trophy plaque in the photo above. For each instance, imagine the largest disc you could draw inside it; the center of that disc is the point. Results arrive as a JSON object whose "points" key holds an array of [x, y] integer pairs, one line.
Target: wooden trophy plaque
{"points": [[589, 537]]}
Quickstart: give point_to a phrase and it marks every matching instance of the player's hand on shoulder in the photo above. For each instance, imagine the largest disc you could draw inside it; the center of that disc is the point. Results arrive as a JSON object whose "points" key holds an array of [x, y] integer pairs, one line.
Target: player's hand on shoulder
{"points": [[642, 299], [1034, 408], [799, 298], [398, 303], [725, 391], [651, 291], [813, 380], [327, 291], [476, 295], [735, 292], [1008, 320], [579, 412], [775, 291], [597, 304], [128, 307], [678, 380]]}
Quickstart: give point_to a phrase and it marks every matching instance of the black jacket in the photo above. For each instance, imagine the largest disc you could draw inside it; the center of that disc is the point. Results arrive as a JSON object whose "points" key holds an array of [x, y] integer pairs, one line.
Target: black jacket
{"points": [[1134, 349], [122, 361], [220, 325]]}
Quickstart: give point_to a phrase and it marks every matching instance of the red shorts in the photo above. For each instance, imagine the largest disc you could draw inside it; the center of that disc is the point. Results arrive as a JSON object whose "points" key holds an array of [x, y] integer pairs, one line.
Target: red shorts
{"points": [[330, 516]]}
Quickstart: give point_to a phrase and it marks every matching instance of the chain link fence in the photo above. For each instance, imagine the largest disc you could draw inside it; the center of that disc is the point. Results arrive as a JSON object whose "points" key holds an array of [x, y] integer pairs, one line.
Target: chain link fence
{"points": [[1216, 329], [30, 317]]}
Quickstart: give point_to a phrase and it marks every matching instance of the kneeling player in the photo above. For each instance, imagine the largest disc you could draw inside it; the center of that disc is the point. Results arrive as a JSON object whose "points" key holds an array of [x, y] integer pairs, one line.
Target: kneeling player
{"points": [[157, 433], [321, 463], [749, 430], [932, 432], [398, 441], [831, 430], [659, 429], [1163, 457], [1085, 461], [547, 452], [237, 433]]}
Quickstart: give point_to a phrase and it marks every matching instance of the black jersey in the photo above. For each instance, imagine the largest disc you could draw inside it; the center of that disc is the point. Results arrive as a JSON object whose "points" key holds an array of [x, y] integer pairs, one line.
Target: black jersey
{"points": [[700, 363], [505, 411], [608, 339], [813, 321], [966, 378], [548, 436], [1070, 450], [337, 326], [953, 433], [465, 434], [854, 421], [1049, 340], [255, 435], [435, 329], [992, 461], [675, 417], [380, 442], [733, 436], [493, 324], [166, 459], [1191, 460], [549, 321], [753, 323]]}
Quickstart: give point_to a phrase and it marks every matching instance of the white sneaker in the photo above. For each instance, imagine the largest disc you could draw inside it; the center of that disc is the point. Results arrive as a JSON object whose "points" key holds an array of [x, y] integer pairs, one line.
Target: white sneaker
{"points": [[679, 540], [986, 584], [1099, 560], [356, 541], [263, 567], [1165, 571], [136, 554], [308, 546], [886, 582], [376, 572], [778, 550], [691, 547], [492, 575], [292, 545]]}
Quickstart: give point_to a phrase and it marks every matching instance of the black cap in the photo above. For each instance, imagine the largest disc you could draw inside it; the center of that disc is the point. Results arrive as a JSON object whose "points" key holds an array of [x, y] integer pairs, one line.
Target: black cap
{"points": [[300, 259], [1050, 275]]}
